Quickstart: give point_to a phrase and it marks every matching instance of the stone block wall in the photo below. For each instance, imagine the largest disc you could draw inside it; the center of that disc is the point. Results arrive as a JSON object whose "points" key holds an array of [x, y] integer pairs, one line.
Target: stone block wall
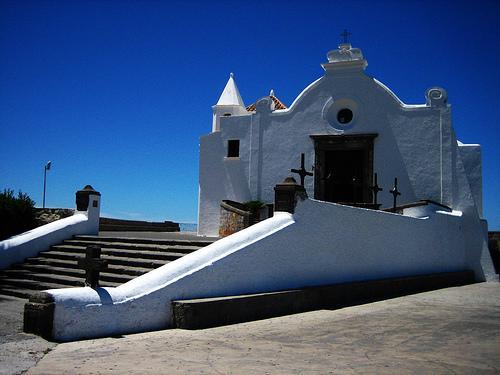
{"points": [[233, 218]]}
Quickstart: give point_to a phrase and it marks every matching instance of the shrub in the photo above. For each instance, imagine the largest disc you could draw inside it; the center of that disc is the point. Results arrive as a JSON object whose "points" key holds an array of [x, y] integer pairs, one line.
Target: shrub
{"points": [[254, 206], [17, 215]]}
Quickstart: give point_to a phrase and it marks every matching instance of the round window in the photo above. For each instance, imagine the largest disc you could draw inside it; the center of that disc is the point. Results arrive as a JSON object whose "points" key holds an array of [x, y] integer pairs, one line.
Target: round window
{"points": [[344, 116]]}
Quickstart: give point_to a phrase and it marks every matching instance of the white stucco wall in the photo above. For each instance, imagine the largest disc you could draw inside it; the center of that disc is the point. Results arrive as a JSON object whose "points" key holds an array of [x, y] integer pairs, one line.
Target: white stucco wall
{"points": [[471, 158], [415, 143], [283, 252], [29, 244], [221, 177]]}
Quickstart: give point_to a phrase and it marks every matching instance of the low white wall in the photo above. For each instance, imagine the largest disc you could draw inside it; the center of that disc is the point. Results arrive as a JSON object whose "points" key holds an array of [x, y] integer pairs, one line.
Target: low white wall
{"points": [[322, 243], [29, 244]]}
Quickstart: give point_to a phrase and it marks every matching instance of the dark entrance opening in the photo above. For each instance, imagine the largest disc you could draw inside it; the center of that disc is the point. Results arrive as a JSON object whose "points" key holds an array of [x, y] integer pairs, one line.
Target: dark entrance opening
{"points": [[344, 176], [344, 168]]}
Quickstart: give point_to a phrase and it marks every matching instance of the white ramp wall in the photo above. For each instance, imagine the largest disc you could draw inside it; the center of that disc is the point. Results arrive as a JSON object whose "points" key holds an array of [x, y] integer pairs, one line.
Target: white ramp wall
{"points": [[321, 244], [29, 244]]}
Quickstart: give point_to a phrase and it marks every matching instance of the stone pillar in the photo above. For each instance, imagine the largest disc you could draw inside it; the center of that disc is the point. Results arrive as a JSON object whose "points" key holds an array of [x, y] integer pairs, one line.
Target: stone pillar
{"points": [[89, 200], [83, 198], [287, 194], [39, 315]]}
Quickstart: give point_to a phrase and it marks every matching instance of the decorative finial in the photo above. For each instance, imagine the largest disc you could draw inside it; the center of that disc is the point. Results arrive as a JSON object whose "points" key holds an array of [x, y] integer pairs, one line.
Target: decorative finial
{"points": [[271, 93], [231, 75], [345, 35]]}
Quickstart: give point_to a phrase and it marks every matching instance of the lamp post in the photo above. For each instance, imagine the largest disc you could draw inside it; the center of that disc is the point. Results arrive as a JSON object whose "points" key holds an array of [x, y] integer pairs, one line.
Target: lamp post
{"points": [[45, 169]]}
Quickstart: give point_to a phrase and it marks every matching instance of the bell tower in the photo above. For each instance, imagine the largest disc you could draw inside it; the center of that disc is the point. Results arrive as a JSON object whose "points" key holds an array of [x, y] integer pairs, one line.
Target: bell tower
{"points": [[229, 104]]}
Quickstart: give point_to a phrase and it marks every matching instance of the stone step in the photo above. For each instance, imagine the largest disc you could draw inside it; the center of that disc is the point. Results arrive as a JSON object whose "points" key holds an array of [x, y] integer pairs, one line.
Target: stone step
{"points": [[37, 281], [16, 292], [181, 248], [198, 243], [32, 284], [61, 275], [109, 224], [184, 249], [136, 228], [44, 285], [204, 313], [110, 220], [63, 267], [134, 262], [123, 252], [127, 258], [20, 278]]}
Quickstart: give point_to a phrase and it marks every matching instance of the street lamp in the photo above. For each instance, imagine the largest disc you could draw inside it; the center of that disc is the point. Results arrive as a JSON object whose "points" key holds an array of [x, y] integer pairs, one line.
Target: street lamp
{"points": [[45, 169]]}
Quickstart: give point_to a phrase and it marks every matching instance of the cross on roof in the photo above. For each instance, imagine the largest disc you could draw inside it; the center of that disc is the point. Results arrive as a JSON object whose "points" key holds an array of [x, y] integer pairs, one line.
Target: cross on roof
{"points": [[395, 192], [302, 171], [92, 264], [375, 189], [345, 35]]}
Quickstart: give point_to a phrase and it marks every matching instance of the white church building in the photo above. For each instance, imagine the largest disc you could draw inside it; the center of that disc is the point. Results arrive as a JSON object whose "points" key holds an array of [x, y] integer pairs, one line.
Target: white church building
{"points": [[349, 126]]}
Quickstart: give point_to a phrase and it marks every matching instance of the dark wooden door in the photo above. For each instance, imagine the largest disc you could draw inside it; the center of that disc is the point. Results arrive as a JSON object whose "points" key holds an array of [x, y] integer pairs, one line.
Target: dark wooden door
{"points": [[345, 175], [343, 168]]}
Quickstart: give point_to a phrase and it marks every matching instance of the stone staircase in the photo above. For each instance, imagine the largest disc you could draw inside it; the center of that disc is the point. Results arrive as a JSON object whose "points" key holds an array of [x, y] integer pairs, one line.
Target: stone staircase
{"points": [[127, 258]]}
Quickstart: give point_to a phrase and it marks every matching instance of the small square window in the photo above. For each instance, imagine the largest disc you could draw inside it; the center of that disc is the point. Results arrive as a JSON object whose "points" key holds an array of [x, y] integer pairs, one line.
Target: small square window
{"points": [[233, 148]]}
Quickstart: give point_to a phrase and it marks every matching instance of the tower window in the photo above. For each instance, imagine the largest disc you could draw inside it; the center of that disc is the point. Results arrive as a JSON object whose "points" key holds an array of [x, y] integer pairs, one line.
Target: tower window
{"points": [[226, 114], [233, 148]]}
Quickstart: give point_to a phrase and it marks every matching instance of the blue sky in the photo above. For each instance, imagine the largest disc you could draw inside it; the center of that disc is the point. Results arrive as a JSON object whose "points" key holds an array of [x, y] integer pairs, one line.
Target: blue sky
{"points": [[117, 93]]}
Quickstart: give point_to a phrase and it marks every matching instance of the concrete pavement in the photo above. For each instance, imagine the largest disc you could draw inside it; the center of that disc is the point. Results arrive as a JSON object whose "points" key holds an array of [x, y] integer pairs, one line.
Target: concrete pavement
{"points": [[18, 351], [455, 330]]}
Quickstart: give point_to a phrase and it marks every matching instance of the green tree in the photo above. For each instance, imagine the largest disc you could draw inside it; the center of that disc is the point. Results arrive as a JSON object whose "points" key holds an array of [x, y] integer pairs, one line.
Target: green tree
{"points": [[17, 214]]}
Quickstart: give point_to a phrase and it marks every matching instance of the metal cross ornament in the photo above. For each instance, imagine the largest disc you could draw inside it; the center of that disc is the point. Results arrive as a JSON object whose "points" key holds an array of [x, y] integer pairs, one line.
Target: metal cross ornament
{"points": [[345, 35], [93, 265], [395, 192], [375, 189], [302, 171]]}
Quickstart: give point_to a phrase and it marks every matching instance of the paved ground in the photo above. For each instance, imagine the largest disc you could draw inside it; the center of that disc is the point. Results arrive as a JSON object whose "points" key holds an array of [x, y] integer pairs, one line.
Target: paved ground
{"points": [[18, 351], [450, 331], [455, 330]]}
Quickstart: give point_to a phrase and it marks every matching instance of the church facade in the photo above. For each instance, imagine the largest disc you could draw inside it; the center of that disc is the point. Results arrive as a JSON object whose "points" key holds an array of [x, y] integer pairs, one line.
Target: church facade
{"points": [[349, 126]]}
